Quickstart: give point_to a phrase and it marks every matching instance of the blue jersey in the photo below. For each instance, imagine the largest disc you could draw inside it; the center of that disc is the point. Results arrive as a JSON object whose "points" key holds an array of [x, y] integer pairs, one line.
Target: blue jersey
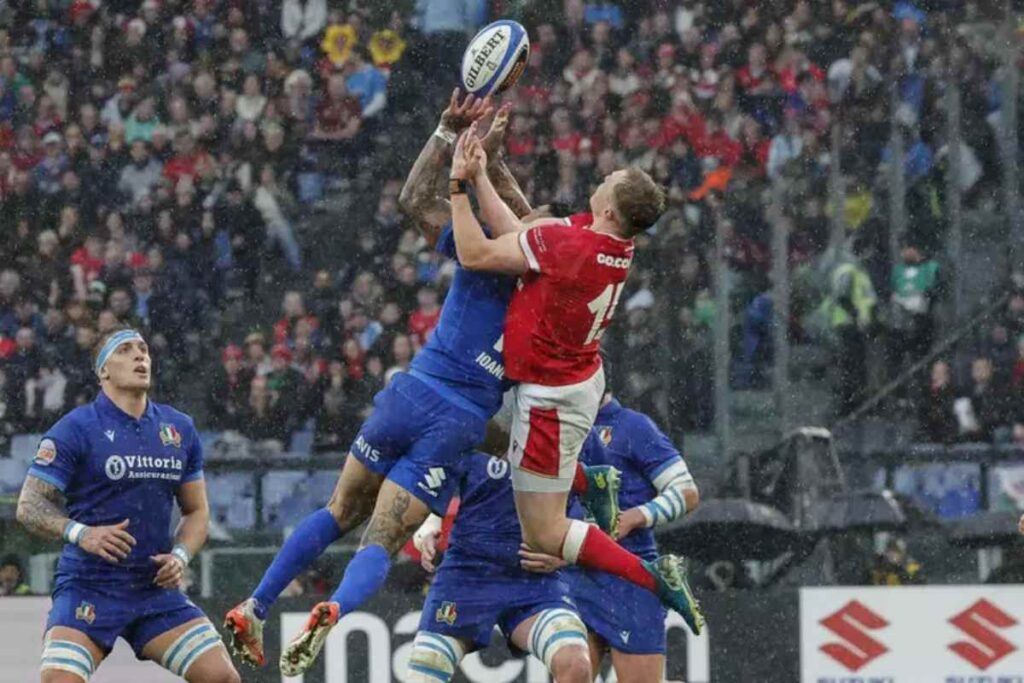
{"points": [[462, 359], [486, 529], [641, 452], [112, 467]]}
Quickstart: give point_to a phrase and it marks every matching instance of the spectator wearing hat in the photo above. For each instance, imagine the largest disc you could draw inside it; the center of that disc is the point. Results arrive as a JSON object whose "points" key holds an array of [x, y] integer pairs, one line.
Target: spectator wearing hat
{"points": [[48, 171], [119, 107], [230, 389]]}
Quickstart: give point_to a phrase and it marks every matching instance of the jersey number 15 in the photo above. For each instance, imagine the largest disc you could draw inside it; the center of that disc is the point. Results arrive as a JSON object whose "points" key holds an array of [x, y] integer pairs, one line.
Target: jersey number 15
{"points": [[603, 308]]}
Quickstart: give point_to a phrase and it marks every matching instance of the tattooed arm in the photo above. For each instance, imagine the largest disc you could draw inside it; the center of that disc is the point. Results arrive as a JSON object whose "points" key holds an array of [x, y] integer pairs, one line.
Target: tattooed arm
{"points": [[41, 509], [421, 198], [423, 195], [507, 187]]}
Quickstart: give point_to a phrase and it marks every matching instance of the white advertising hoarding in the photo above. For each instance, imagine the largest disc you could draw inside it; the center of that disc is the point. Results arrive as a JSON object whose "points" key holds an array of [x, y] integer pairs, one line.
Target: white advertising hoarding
{"points": [[912, 634], [21, 643]]}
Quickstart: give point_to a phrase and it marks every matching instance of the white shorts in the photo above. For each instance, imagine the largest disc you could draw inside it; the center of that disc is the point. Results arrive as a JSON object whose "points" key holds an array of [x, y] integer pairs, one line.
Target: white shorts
{"points": [[549, 426]]}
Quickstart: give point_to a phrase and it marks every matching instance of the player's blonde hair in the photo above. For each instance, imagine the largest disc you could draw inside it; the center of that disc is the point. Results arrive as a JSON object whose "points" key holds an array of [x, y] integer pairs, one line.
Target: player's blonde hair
{"points": [[638, 200]]}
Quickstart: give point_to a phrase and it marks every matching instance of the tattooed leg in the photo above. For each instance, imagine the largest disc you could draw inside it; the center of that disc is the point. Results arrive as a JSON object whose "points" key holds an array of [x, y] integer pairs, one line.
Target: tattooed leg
{"points": [[395, 518]]}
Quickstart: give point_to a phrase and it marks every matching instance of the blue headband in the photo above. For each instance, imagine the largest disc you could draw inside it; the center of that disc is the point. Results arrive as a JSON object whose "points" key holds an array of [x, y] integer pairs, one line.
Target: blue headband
{"points": [[115, 340]]}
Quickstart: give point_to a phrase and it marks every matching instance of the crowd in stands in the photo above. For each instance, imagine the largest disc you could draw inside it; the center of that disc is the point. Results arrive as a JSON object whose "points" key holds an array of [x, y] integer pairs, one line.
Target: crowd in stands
{"points": [[224, 175], [989, 404]]}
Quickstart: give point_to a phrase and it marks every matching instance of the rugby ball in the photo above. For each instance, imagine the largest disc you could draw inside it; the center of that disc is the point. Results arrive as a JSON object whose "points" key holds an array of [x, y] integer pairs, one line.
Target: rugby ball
{"points": [[495, 58]]}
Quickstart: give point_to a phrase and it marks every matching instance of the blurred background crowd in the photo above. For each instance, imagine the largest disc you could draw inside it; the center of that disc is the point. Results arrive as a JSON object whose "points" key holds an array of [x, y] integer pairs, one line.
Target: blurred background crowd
{"points": [[225, 175]]}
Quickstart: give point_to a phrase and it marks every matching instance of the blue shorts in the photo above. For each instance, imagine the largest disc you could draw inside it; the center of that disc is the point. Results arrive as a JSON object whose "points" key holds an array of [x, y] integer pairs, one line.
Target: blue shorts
{"points": [[629, 618], [416, 439], [468, 602], [104, 613]]}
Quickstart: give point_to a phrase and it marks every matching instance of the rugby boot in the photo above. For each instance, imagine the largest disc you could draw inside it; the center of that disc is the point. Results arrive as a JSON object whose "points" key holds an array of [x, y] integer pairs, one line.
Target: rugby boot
{"points": [[669, 571], [246, 631], [305, 647], [602, 497]]}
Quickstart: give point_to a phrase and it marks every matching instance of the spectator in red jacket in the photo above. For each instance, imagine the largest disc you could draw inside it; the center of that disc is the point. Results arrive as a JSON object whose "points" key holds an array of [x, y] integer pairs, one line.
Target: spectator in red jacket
{"points": [[188, 161], [424, 319], [716, 144]]}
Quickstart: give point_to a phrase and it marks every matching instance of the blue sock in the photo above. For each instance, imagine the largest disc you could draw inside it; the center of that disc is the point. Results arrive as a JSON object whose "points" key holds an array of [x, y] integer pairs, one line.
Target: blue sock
{"points": [[364, 576], [309, 540]]}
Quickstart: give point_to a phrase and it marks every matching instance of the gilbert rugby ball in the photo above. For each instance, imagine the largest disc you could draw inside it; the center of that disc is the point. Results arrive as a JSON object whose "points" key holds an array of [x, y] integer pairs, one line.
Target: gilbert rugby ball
{"points": [[495, 58]]}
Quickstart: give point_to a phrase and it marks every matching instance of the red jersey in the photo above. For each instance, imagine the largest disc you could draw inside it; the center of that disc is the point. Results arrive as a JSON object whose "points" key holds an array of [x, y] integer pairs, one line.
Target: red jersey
{"points": [[563, 304]]}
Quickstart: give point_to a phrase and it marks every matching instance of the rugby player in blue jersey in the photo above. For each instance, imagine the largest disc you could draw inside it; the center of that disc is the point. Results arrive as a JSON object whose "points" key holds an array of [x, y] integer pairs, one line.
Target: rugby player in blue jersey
{"points": [[656, 488], [480, 585], [105, 479], [423, 422]]}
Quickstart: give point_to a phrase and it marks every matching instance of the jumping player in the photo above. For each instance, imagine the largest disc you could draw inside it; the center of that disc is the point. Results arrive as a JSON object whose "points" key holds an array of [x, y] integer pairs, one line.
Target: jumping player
{"points": [[571, 278], [481, 584], [105, 479], [422, 422], [657, 488]]}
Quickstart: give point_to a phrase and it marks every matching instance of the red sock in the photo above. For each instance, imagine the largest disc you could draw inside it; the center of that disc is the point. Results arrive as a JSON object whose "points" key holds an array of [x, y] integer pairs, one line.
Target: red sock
{"points": [[601, 552], [579, 480]]}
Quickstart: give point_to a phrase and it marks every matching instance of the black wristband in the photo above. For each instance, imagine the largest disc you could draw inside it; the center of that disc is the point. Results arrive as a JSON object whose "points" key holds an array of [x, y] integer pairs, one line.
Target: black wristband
{"points": [[457, 186]]}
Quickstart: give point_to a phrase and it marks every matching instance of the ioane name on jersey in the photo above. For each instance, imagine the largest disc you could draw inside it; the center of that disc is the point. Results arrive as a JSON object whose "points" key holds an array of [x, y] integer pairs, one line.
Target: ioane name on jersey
{"points": [[462, 359]]}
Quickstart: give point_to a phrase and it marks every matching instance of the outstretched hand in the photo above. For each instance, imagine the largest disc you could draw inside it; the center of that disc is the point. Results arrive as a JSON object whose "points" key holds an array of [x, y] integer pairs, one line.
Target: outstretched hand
{"points": [[473, 150], [459, 115], [494, 141], [469, 159]]}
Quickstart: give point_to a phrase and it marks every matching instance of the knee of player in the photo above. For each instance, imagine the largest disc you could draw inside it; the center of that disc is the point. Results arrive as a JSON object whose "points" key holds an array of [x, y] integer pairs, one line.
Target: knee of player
{"points": [[692, 497], [434, 658], [559, 639], [55, 676], [571, 664], [228, 675], [64, 661], [545, 539], [346, 512]]}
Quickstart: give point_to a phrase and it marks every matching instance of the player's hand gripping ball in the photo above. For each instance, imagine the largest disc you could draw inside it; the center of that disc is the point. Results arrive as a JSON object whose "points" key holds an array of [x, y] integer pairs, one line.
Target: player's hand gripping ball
{"points": [[495, 58]]}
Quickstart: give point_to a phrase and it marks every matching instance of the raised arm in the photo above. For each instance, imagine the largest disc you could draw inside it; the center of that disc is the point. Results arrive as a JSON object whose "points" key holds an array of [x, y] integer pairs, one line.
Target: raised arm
{"points": [[422, 197], [477, 251]]}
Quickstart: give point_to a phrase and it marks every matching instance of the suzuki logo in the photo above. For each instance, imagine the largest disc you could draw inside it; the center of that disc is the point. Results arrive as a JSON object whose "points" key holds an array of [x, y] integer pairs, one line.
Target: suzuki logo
{"points": [[979, 621], [849, 623]]}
